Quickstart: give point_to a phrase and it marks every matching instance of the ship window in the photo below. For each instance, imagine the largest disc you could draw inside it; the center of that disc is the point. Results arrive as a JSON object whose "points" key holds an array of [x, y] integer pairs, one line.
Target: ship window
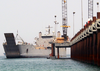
{"points": [[47, 36], [27, 51], [48, 47]]}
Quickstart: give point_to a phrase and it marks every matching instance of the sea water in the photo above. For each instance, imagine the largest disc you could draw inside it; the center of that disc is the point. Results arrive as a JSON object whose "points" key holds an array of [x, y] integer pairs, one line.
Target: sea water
{"points": [[43, 64]]}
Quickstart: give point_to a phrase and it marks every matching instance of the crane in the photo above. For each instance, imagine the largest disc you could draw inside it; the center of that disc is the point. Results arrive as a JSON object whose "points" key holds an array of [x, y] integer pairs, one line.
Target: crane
{"points": [[90, 8], [64, 18]]}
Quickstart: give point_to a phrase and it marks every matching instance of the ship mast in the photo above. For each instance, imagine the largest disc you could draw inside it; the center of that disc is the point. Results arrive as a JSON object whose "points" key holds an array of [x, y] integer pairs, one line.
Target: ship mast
{"points": [[19, 37], [49, 29]]}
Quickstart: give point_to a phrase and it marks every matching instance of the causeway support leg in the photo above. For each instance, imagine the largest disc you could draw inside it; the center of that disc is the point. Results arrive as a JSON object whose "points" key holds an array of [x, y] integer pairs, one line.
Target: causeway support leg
{"points": [[58, 53], [52, 50], [95, 48], [98, 47]]}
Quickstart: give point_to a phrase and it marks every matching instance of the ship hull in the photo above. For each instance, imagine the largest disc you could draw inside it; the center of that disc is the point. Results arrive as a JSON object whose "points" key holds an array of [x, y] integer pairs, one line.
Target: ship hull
{"points": [[30, 52], [25, 51], [11, 51]]}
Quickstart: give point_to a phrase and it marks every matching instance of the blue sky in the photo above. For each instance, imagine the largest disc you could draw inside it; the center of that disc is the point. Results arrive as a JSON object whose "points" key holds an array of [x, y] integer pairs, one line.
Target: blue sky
{"points": [[32, 16]]}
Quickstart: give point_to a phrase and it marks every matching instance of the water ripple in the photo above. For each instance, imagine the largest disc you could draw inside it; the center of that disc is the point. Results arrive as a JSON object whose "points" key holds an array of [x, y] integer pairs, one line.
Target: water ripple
{"points": [[43, 64]]}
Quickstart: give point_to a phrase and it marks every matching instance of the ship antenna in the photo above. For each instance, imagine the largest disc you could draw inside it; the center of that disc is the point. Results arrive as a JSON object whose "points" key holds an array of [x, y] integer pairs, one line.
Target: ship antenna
{"points": [[55, 24], [82, 12], [97, 6], [17, 34], [49, 29], [19, 37]]}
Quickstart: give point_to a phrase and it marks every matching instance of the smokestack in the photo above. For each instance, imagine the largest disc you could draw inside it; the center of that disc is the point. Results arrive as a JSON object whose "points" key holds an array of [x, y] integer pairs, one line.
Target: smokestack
{"points": [[58, 34], [40, 34]]}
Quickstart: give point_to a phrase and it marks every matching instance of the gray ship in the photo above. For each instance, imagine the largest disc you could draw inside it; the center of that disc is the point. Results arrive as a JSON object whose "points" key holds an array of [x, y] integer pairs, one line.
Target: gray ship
{"points": [[21, 49]]}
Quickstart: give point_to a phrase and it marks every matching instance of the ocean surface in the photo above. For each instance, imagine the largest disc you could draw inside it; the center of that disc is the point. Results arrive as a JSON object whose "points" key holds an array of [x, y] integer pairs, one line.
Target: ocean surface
{"points": [[43, 64]]}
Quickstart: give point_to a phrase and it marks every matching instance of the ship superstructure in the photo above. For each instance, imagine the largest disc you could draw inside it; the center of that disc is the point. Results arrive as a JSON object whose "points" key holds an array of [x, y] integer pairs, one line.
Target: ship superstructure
{"points": [[42, 42]]}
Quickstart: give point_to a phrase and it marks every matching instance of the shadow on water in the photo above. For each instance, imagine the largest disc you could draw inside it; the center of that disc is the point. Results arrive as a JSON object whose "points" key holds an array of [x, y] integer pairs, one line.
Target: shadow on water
{"points": [[87, 64]]}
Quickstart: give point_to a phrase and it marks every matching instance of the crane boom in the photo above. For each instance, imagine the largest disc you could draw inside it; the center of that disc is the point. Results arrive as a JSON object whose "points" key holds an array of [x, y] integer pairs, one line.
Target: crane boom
{"points": [[90, 8], [64, 18]]}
